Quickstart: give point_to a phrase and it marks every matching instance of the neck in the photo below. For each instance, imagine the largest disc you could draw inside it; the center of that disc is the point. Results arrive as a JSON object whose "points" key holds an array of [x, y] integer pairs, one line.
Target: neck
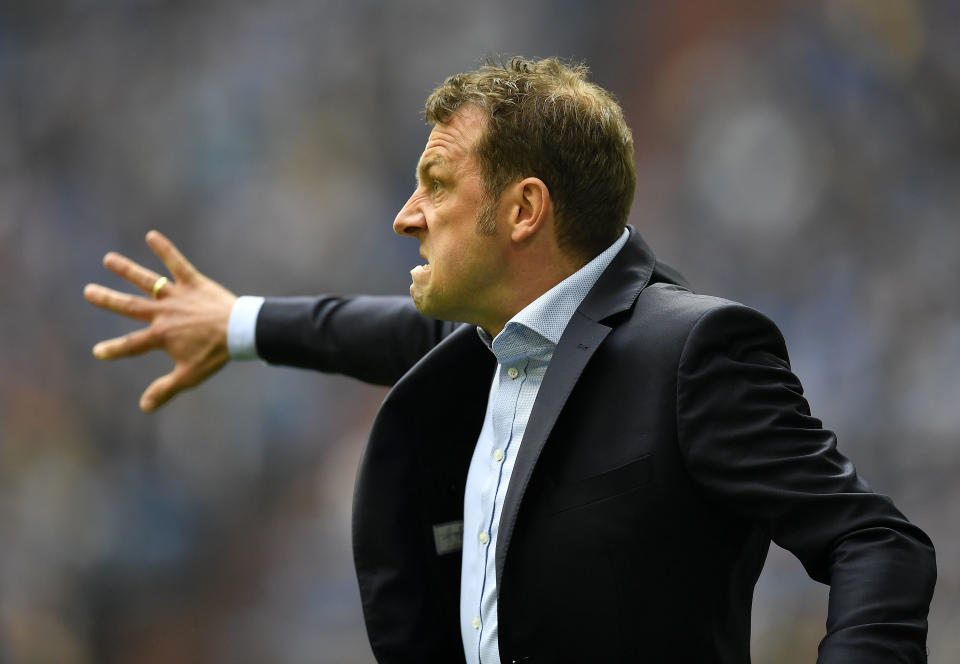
{"points": [[528, 276]]}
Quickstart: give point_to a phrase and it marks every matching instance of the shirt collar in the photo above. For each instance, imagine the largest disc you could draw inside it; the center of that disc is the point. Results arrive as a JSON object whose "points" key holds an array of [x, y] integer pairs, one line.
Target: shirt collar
{"points": [[549, 314]]}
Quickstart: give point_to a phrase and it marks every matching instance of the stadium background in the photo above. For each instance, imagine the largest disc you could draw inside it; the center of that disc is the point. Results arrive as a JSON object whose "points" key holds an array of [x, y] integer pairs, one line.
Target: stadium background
{"points": [[803, 158]]}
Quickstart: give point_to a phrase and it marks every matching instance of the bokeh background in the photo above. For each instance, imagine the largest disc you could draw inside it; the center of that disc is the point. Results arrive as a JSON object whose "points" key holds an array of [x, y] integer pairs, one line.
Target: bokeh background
{"points": [[803, 158]]}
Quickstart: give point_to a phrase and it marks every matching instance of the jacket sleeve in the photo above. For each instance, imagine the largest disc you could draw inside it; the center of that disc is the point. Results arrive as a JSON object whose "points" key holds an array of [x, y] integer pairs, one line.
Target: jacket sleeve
{"points": [[373, 338], [750, 442]]}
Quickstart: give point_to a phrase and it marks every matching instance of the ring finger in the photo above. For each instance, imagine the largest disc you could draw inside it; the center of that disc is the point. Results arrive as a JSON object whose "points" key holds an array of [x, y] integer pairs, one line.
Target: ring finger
{"points": [[136, 274]]}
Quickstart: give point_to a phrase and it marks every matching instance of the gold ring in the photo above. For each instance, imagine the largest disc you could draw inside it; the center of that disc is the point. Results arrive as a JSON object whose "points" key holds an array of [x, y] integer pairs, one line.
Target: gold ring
{"points": [[159, 284]]}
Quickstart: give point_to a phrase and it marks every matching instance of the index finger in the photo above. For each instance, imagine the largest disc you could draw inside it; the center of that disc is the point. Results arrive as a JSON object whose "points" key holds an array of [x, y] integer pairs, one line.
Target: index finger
{"points": [[179, 266]]}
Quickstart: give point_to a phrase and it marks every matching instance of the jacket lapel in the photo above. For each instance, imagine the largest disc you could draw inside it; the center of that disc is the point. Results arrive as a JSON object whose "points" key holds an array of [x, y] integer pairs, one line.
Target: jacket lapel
{"points": [[615, 291]]}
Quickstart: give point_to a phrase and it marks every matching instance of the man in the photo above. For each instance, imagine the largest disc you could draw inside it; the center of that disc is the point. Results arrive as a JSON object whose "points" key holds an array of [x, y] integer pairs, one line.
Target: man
{"points": [[591, 468]]}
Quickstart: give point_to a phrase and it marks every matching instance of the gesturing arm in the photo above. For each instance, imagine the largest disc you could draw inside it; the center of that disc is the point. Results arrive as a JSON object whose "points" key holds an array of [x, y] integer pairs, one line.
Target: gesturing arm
{"points": [[187, 319], [372, 338]]}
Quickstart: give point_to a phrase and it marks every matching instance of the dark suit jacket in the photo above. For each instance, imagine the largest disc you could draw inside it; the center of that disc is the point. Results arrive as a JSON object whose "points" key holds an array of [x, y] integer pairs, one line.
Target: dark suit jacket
{"points": [[669, 444]]}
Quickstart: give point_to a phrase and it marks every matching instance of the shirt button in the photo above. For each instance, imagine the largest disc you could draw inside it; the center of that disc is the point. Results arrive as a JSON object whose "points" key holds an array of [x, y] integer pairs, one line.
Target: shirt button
{"points": [[512, 372], [498, 455], [475, 622], [484, 538]]}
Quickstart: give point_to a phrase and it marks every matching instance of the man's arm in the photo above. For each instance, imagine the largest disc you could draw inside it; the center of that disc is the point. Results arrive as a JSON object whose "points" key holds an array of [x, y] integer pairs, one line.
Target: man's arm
{"points": [[375, 339], [750, 441]]}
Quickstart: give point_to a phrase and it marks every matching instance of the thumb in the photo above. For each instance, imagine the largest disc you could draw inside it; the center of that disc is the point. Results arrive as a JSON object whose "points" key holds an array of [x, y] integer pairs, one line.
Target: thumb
{"points": [[161, 391]]}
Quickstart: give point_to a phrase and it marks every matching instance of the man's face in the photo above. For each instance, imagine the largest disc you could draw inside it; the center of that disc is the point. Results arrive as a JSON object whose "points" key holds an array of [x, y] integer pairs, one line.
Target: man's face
{"points": [[461, 280]]}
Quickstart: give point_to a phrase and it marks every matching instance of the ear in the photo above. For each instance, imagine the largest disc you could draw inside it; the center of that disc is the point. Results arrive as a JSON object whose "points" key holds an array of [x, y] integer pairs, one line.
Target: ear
{"points": [[532, 209]]}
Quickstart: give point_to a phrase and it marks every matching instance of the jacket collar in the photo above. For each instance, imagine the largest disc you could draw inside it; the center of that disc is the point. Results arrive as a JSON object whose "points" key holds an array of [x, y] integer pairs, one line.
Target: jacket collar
{"points": [[620, 284]]}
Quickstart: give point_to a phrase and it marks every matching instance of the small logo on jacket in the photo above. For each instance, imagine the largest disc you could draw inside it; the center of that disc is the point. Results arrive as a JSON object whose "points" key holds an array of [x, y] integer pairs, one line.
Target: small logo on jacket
{"points": [[448, 537]]}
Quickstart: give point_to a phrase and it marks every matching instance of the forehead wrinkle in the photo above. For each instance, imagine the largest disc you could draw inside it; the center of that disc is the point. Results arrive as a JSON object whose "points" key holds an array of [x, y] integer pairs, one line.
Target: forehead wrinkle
{"points": [[452, 136], [455, 139]]}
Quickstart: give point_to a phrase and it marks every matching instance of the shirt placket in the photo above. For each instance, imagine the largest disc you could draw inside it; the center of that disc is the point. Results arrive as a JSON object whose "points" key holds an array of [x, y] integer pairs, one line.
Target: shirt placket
{"points": [[511, 379]]}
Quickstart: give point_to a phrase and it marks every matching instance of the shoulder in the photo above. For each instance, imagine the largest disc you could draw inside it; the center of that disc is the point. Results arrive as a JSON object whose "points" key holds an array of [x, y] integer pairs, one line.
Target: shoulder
{"points": [[675, 308], [669, 317]]}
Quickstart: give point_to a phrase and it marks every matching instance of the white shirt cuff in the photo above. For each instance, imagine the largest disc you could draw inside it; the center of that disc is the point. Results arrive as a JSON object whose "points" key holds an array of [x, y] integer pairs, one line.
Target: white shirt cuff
{"points": [[242, 328]]}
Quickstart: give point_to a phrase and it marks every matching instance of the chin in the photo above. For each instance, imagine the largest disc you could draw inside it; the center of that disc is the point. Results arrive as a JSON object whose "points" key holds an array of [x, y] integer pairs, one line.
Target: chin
{"points": [[422, 303], [431, 309], [418, 303]]}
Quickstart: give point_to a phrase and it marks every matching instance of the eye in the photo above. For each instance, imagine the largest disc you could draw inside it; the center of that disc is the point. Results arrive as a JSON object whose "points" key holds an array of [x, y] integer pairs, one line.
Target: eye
{"points": [[436, 186]]}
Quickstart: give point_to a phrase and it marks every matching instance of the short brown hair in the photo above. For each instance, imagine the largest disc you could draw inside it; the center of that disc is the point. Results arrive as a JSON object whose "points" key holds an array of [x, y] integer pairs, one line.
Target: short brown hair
{"points": [[544, 119]]}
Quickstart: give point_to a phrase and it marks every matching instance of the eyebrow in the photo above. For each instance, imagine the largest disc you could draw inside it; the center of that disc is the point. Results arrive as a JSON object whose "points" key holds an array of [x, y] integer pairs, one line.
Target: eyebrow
{"points": [[423, 169]]}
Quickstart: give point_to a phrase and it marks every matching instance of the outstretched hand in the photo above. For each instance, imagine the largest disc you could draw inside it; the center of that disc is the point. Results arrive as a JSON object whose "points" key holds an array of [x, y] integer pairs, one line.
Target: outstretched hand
{"points": [[187, 317]]}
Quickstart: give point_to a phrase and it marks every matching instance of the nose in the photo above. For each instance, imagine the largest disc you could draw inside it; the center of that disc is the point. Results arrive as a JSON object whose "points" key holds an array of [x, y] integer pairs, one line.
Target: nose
{"points": [[410, 219]]}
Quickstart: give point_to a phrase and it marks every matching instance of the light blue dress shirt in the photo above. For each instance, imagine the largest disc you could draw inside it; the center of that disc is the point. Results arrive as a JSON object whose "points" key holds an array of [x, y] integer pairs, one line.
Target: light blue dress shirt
{"points": [[523, 350]]}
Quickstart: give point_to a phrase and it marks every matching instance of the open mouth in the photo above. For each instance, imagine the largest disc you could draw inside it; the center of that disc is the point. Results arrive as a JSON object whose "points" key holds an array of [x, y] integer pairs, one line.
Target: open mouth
{"points": [[420, 272]]}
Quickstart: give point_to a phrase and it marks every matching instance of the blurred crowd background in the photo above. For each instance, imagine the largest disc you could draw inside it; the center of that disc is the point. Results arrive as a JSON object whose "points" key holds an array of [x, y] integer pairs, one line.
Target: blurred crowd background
{"points": [[803, 158]]}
